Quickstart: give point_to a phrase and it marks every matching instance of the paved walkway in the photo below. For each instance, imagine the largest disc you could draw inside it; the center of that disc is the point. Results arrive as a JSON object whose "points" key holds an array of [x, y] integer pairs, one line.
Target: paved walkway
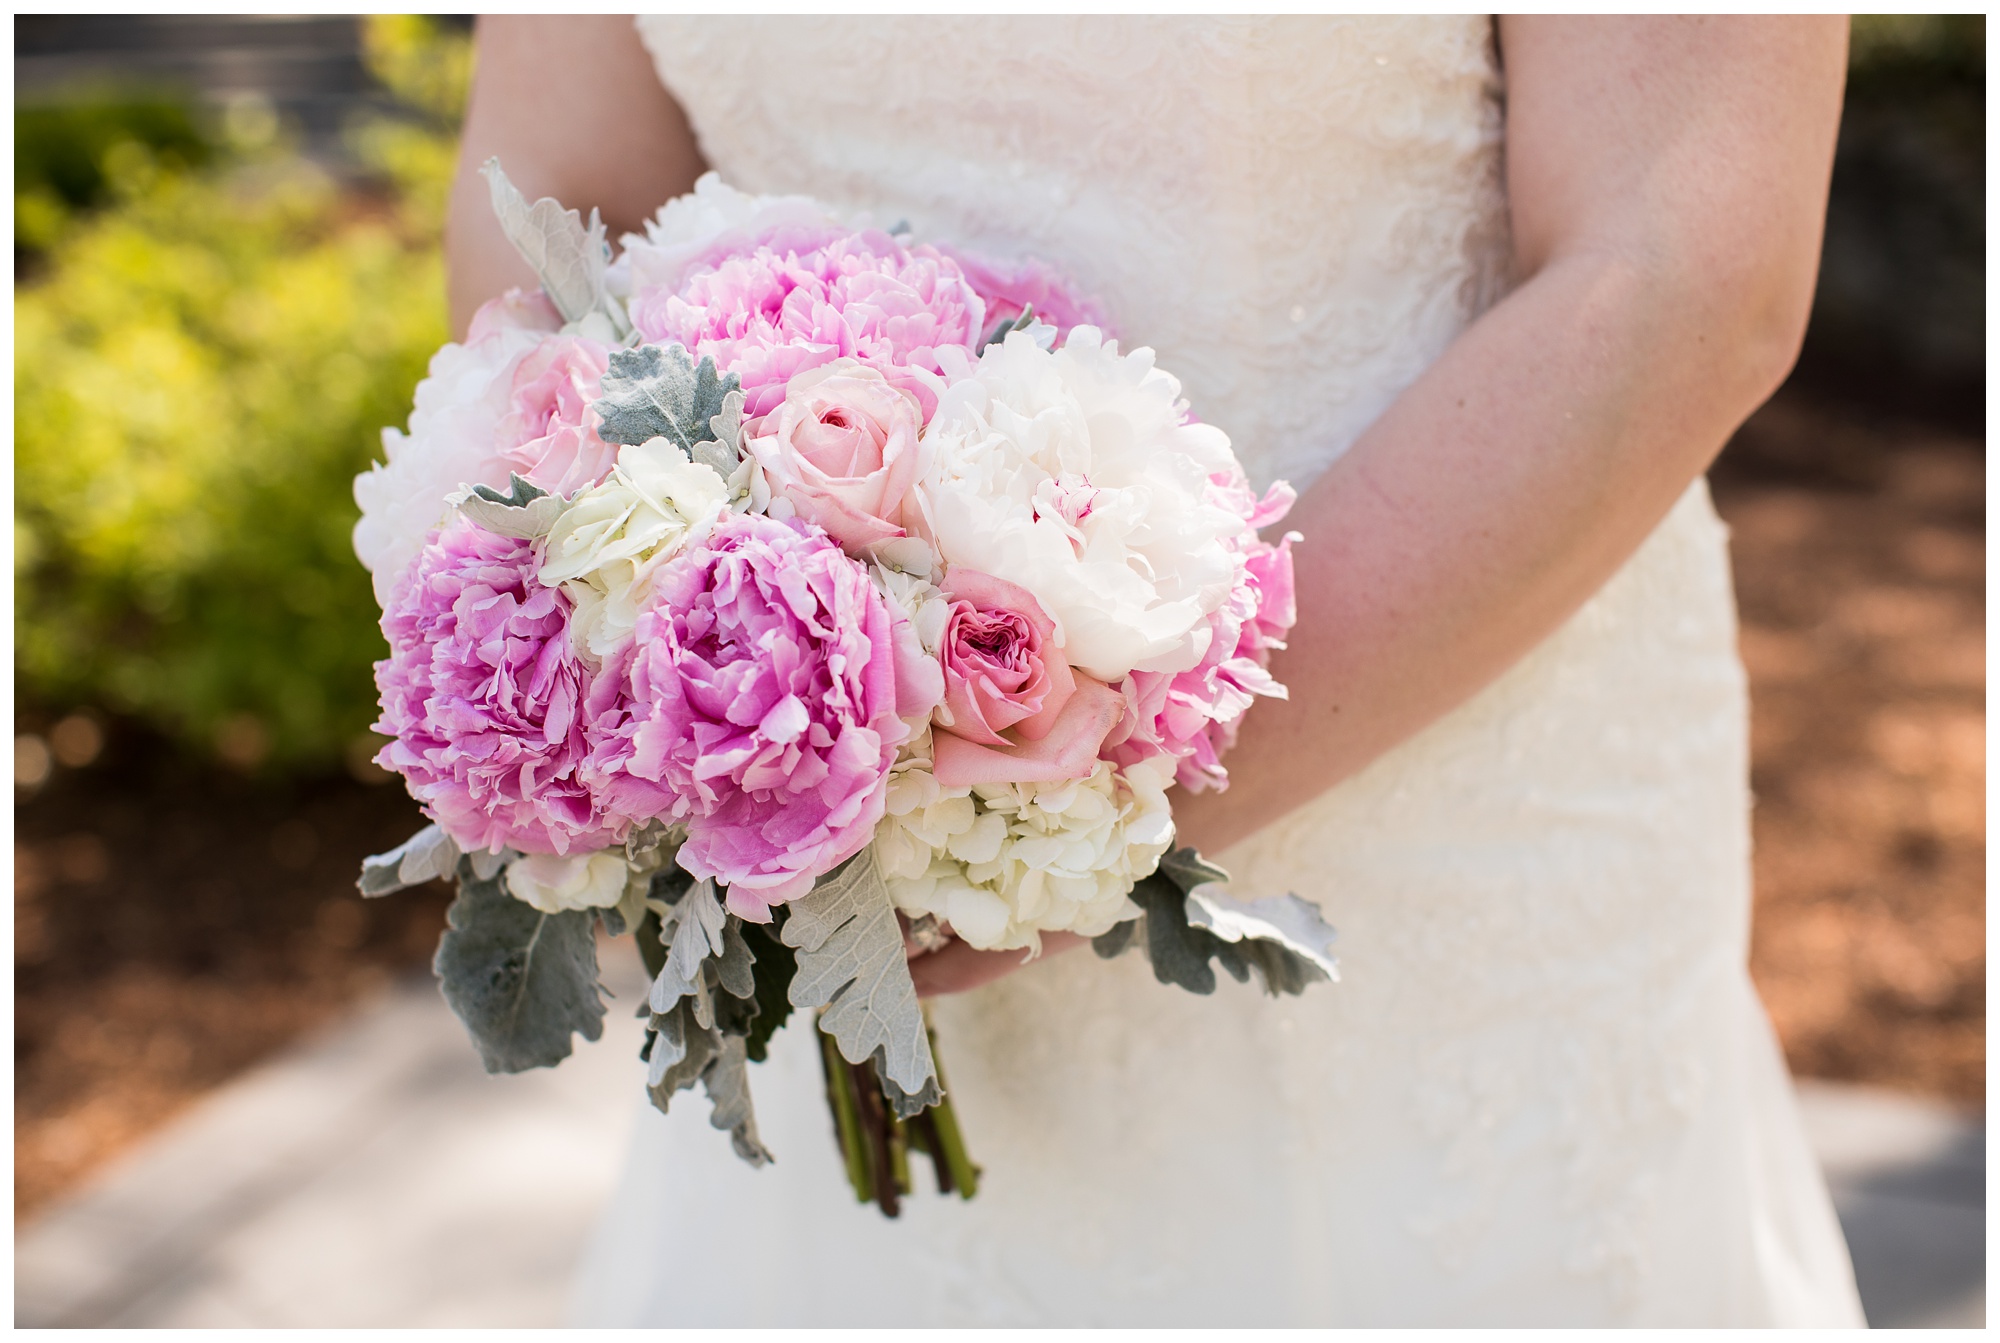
{"points": [[375, 1176]]}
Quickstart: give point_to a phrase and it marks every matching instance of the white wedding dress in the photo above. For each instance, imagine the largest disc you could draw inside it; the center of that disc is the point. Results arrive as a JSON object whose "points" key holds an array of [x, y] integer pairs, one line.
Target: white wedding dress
{"points": [[1544, 1091]]}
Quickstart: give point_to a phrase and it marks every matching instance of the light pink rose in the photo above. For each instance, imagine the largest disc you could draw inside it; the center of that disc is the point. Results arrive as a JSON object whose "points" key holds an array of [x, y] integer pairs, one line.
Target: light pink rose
{"points": [[1003, 667], [1014, 711], [549, 434], [843, 448]]}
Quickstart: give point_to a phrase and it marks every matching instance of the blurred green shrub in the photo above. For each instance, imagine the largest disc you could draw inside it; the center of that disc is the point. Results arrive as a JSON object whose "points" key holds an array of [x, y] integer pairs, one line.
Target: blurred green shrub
{"points": [[67, 156], [200, 369]]}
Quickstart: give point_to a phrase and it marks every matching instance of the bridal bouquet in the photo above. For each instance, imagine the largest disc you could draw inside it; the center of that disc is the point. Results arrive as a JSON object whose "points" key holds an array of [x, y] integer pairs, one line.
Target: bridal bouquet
{"points": [[795, 598]]}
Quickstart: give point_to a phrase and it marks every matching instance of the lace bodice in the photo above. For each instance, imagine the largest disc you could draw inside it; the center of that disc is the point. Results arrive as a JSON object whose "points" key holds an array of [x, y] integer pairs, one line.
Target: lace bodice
{"points": [[1543, 1092], [1296, 213]]}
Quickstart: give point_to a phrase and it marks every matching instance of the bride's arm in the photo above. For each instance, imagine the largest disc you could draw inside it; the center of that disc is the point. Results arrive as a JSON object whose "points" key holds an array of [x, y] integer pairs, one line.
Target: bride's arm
{"points": [[573, 108], [1667, 179]]}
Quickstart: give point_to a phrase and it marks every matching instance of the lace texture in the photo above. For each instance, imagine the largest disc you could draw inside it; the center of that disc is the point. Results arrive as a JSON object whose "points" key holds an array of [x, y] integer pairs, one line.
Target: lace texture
{"points": [[1544, 1092]]}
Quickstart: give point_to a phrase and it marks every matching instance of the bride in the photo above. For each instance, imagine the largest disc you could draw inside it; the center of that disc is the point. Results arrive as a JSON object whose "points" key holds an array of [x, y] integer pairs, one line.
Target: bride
{"points": [[1497, 293]]}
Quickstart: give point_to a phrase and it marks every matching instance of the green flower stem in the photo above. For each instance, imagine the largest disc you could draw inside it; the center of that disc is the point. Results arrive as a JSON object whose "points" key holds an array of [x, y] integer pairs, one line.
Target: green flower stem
{"points": [[846, 1119], [944, 1122], [950, 1150], [899, 1150], [875, 1122]]}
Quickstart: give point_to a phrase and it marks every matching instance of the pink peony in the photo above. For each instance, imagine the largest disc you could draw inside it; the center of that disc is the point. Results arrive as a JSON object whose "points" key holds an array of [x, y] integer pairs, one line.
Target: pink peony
{"points": [[1010, 288], [549, 435], [1193, 716], [803, 297], [843, 450], [756, 702], [481, 692]]}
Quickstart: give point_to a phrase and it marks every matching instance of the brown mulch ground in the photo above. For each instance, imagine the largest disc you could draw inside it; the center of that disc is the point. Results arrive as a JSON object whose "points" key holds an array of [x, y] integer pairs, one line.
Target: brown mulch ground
{"points": [[175, 924], [1860, 553]]}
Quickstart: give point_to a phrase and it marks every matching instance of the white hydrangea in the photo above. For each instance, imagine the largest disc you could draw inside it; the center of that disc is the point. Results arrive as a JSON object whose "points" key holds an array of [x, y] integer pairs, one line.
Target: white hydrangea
{"points": [[689, 227], [604, 546], [1072, 473], [1003, 864], [553, 884], [451, 443]]}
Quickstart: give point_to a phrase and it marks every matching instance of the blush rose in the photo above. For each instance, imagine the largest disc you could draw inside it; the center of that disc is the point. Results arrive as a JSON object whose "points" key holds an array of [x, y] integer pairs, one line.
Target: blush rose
{"points": [[843, 449], [1013, 710]]}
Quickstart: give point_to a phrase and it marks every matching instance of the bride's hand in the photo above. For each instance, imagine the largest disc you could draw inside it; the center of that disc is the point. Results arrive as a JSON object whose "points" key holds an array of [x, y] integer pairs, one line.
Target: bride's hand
{"points": [[958, 966]]}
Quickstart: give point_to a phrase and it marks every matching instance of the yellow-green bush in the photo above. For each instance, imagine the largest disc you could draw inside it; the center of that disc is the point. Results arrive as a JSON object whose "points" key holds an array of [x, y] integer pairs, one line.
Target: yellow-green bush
{"points": [[199, 372]]}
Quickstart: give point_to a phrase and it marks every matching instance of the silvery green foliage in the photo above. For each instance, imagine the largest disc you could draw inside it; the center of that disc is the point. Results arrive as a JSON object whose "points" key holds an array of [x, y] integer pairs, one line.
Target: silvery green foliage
{"points": [[680, 1050], [693, 933], [522, 981], [1188, 923], [722, 450], [703, 1006], [1117, 941], [851, 962], [905, 1103], [727, 1081], [735, 967], [659, 391], [425, 856], [1188, 869], [525, 511], [487, 864], [568, 257], [1275, 924]]}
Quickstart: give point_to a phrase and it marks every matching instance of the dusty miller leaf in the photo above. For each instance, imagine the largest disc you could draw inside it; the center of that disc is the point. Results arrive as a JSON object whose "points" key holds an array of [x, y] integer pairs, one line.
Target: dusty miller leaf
{"points": [[1188, 869], [1279, 923], [428, 855], [775, 965], [906, 1103], [697, 920], [1180, 954], [1190, 922], [1117, 941], [659, 391], [681, 1050], [723, 449], [526, 511], [851, 963], [522, 981], [735, 971], [569, 258], [727, 1080]]}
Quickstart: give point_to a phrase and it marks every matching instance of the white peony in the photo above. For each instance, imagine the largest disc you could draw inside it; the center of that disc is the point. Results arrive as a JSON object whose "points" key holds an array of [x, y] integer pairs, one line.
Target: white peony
{"points": [[553, 884], [1003, 864], [1074, 474], [689, 228], [604, 546], [452, 443]]}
